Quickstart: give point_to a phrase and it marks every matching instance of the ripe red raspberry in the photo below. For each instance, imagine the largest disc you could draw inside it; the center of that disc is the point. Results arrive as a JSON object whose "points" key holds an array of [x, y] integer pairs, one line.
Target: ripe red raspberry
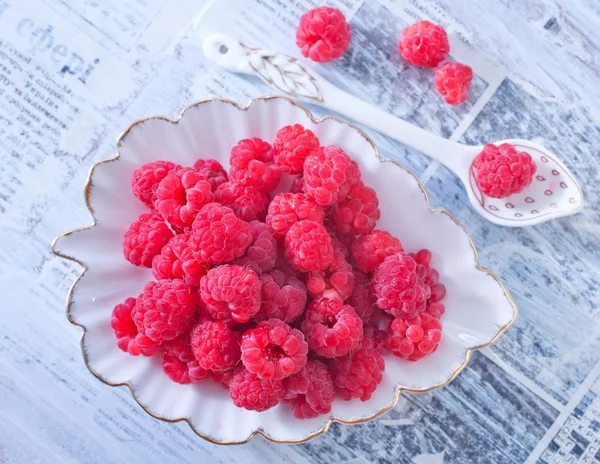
{"points": [[176, 261], [126, 330], [362, 298], [249, 392], [246, 202], [323, 34], [180, 195], [336, 281], [145, 238], [215, 346], [310, 391], [308, 246], [284, 266], [252, 165], [291, 147], [379, 338], [358, 212], [415, 338], [429, 275], [398, 287], [342, 242], [357, 374], [262, 255], [501, 171], [435, 309], [283, 297], [288, 208], [424, 44], [297, 185], [163, 311], [332, 328], [223, 378], [453, 81], [212, 171], [369, 251], [328, 175], [273, 350], [231, 293], [179, 362], [145, 180], [218, 235]]}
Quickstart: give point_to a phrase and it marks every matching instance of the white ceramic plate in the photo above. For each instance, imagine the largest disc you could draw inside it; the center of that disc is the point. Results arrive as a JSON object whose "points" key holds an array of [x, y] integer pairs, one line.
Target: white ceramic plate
{"points": [[479, 308]]}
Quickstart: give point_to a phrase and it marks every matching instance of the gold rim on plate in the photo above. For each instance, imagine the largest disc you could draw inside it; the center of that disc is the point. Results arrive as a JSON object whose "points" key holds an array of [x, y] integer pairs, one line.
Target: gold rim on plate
{"points": [[399, 389]]}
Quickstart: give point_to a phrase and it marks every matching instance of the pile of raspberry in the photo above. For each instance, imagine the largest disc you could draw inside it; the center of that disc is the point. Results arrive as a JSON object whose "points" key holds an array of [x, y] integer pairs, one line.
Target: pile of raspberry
{"points": [[277, 294]]}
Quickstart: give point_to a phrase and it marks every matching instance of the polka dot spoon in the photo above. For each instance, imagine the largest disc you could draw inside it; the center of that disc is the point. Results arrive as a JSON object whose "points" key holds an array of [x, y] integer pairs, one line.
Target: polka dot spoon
{"points": [[554, 191]]}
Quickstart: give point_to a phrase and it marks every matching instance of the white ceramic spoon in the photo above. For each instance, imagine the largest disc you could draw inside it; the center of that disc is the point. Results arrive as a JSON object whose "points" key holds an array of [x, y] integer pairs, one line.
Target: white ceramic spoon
{"points": [[553, 193]]}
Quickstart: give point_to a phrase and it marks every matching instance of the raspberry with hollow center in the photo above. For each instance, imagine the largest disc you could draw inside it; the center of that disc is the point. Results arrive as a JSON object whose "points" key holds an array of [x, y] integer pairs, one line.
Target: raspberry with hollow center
{"points": [[332, 328], [357, 374], [501, 171], [179, 362], [328, 175], [145, 180], [337, 281], [453, 82], [415, 338], [362, 298], [358, 212], [399, 289], [310, 391], [125, 329], [369, 251], [180, 195], [145, 238], [424, 44], [262, 255], [215, 346], [323, 34], [249, 392], [283, 297], [291, 147], [231, 292], [163, 311], [246, 202], [273, 350], [176, 261], [218, 235], [308, 246], [252, 165], [212, 171], [288, 208]]}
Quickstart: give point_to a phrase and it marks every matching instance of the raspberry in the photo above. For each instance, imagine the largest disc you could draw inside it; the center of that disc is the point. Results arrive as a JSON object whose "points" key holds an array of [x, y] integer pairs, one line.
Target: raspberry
{"points": [[358, 212], [337, 281], [145, 238], [145, 180], [252, 165], [246, 202], [415, 338], [163, 311], [223, 378], [176, 261], [398, 287], [328, 175], [310, 391], [291, 147], [429, 275], [502, 171], [249, 392], [435, 310], [308, 246], [262, 255], [379, 338], [179, 362], [332, 328], [212, 171], [288, 208], [126, 330], [284, 266], [218, 236], [273, 350], [283, 297], [362, 298], [297, 185], [453, 81], [424, 44], [180, 195], [215, 346], [231, 293], [357, 374], [323, 34], [342, 242], [369, 251]]}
